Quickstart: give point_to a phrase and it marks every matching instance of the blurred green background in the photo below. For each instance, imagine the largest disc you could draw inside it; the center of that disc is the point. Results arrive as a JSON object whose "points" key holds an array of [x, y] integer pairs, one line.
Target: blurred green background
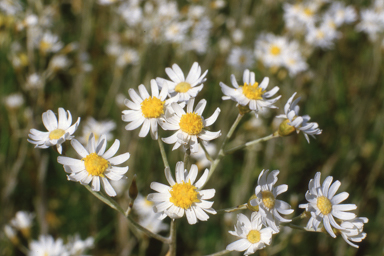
{"points": [[342, 91]]}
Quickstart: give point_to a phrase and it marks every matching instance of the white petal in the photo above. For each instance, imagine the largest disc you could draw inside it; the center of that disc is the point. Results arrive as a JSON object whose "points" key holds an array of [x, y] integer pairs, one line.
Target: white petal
{"points": [[107, 187], [119, 159], [112, 150], [80, 149]]}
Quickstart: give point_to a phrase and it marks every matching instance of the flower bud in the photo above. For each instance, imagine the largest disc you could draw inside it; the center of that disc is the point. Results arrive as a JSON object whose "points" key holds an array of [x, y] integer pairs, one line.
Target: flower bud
{"points": [[285, 129], [251, 207], [243, 109], [133, 191]]}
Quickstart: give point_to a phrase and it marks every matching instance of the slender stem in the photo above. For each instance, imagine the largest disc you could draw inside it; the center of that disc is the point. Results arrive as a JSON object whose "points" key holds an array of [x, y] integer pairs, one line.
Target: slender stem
{"points": [[162, 151], [186, 158], [114, 205], [250, 143], [303, 215], [172, 237], [207, 155], [300, 227], [219, 253], [216, 162], [234, 209]]}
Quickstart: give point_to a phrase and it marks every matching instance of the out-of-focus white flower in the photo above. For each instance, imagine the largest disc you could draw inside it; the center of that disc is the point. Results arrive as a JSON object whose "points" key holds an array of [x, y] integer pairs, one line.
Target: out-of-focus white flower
{"points": [[22, 220], [98, 129], [200, 36], [295, 64], [11, 234], [371, 22], [200, 157], [270, 208], [107, 2], [224, 44], [30, 20], [77, 247], [237, 36], [324, 205], [252, 235], [153, 223], [353, 230], [251, 94], [146, 110], [120, 186], [96, 164], [58, 130], [241, 58], [127, 56], [142, 206], [324, 35], [131, 13], [46, 245], [11, 7], [183, 196], [180, 88], [14, 101], [271, 50], [34, 81], [217, 4], [175, 32], [296, 122], [59, 62], [190, 125], [342, 14], [49, 43], [195, 12]]}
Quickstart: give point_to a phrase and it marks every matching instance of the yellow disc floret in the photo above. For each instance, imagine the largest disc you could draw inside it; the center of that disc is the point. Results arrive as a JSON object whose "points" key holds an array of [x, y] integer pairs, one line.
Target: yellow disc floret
{"points": [[275, 50], [268, 199], [253, 92], [152, 107], [324, 205], [183, 195], [95, 165], [183, 87], [191, 123], [253, 236], [45, 46], [56, 134]]}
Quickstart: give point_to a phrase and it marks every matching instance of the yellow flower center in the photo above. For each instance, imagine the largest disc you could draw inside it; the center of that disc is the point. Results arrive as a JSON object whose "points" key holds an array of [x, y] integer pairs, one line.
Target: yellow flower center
{"points": [[191, 123], [56, 134], [45, 46], [268, 199], [152, 107], [242, 59], [183, 87], [308, 12], [183, 195], [253, 236], [324, 205], [275, 50], [95, 165], [253, 92]]}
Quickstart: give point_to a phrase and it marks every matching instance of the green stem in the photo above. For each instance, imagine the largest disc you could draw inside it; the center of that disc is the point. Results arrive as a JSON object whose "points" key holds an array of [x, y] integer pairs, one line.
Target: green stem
{"points": [[172, 237], [216, 162], [250, 143], [219, 253], [114, 205], [186, 158], [162, 151], [234, 209], [207, 155]]}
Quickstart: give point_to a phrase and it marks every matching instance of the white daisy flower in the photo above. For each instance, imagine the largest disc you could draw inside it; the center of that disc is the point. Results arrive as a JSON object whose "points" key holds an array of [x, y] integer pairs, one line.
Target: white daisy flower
{"points": [[253, 236], [271, 50], [142, 206], [47, 246], [371, 22], [183, 196], [296, 122], [146, 110], [98, 129], [96, 164], [324, 205], [190, 125], [353, 230], [14, 101], [341, 13], [181, 88], [50, 43], [58, 131], [153, 224], [270, 208], [76, 246], [251, 94]]}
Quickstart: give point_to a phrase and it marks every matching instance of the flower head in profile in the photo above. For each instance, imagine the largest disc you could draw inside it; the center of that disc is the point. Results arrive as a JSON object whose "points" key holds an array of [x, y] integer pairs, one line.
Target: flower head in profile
{"points": [[145, 110], [190, 125], [325, 206], [23, 222], [96, 164], [251, 94], [294, 122], [58, 130], [352, 231], [183, 196], [252, 235], [47, 245], [270, 208], [180, 88]]}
